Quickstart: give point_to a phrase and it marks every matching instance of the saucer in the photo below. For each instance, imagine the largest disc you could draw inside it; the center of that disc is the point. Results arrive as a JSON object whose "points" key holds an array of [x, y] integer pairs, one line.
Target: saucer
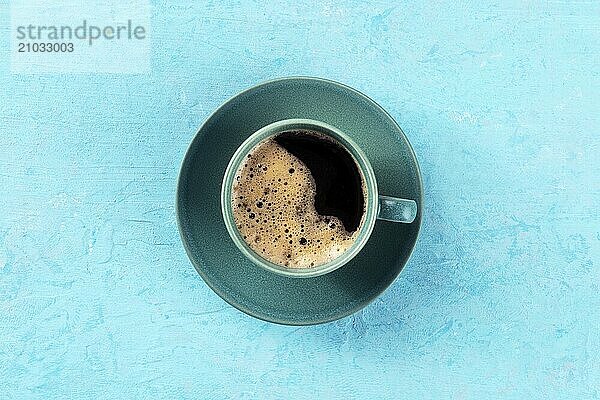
{"points": [[256, 291]]}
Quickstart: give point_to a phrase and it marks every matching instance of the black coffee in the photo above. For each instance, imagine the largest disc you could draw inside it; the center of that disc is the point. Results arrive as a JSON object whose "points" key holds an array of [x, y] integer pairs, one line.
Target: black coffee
{"points": [[299, 199], [338, 181]]}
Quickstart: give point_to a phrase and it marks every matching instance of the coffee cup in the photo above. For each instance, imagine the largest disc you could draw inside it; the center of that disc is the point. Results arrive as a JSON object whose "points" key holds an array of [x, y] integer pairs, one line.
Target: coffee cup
{"points": [[244, 222]]}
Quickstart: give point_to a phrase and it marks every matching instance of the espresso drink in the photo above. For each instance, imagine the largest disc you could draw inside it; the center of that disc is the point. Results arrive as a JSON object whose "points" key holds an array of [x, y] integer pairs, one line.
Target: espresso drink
{"points": [[299, 199]]}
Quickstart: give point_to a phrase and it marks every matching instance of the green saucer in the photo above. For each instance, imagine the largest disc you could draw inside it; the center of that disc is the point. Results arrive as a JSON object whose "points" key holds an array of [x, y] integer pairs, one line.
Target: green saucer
{"points": [[263, 294]]}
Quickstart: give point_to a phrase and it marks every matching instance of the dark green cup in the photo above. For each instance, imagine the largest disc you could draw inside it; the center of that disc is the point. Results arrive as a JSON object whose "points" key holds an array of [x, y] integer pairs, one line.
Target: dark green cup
{"points": [[376, 206]]}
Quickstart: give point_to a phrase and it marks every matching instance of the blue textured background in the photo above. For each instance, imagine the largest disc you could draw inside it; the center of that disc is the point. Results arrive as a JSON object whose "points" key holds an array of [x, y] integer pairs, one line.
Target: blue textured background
{"points": [[500, 299]]}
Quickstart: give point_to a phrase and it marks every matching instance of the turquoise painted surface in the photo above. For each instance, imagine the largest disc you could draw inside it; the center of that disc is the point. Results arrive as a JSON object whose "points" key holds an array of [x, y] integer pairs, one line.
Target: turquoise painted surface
{"points": [[500, 300]]}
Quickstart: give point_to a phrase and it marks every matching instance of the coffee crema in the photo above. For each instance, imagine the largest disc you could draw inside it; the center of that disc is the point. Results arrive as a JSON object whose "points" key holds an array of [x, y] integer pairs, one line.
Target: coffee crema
{"points": [[298, 199]]}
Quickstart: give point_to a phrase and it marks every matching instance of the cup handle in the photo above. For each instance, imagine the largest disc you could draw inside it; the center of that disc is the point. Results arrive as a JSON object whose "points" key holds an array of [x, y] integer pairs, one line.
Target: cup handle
{"points": [[396, 210]]}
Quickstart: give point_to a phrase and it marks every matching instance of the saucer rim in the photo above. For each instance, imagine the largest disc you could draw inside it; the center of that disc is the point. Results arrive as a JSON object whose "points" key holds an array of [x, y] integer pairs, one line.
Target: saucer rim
{"points": [[196, 259]]}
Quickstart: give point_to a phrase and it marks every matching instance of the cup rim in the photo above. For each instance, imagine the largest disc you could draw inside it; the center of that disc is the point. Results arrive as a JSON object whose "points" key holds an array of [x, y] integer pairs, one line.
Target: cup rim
{"points": [[368, 175]]}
